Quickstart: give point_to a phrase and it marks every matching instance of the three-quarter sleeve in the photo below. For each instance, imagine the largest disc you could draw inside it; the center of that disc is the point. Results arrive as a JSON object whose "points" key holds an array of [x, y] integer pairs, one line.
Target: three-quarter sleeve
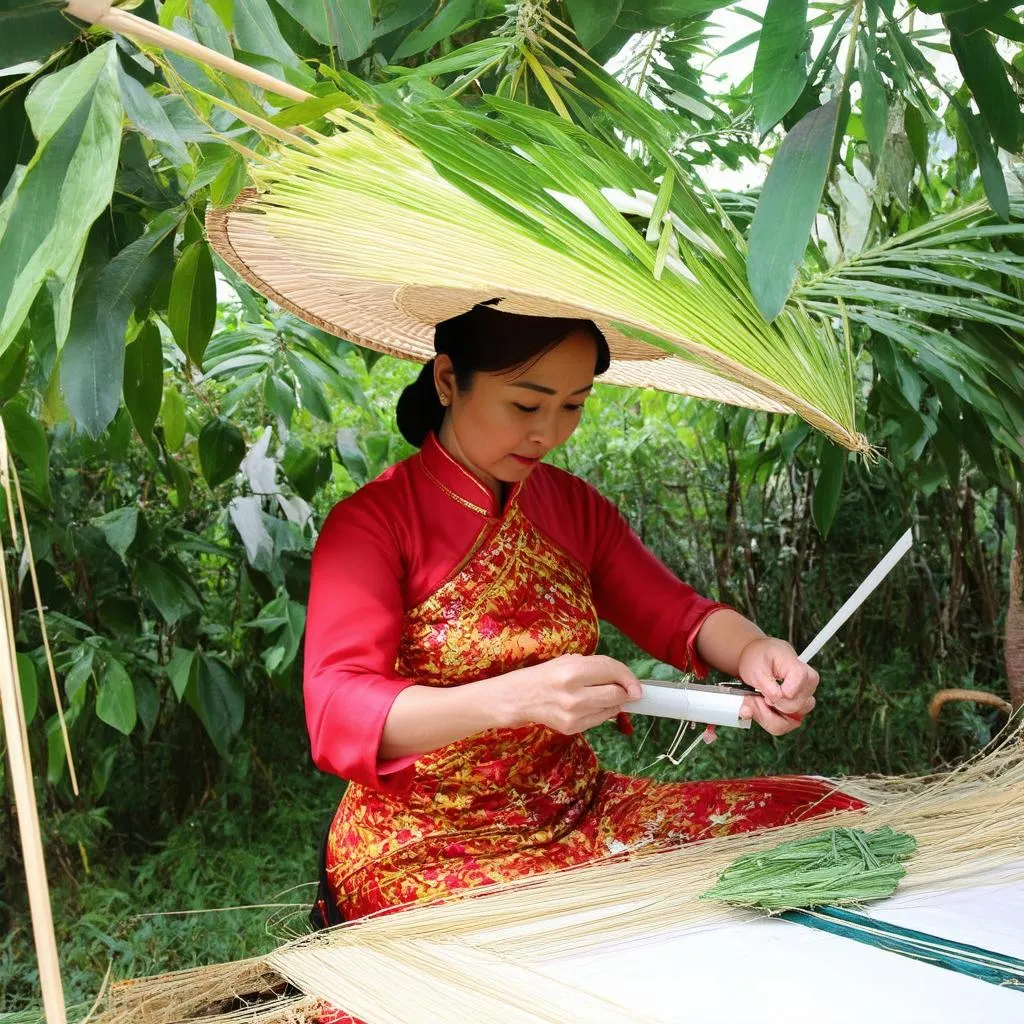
{"points": [[638, 594], [353, 627]]}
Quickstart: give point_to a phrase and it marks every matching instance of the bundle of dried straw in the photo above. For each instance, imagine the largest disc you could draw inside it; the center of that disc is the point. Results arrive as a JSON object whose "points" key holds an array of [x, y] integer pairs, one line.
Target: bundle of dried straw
{"points": [[483, 956]]}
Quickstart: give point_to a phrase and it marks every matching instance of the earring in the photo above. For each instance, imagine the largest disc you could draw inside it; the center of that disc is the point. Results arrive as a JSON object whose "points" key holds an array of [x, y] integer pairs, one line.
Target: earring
{"points": [[443, 399]]}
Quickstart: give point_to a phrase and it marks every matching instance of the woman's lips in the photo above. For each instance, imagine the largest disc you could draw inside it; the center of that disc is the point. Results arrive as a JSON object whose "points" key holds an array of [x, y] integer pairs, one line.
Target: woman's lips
{"points": [[525, 460]]}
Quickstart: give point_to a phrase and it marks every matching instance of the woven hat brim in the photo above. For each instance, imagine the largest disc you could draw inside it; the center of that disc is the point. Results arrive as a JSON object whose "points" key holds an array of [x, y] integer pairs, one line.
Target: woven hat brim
{"points": [[399, 320]]}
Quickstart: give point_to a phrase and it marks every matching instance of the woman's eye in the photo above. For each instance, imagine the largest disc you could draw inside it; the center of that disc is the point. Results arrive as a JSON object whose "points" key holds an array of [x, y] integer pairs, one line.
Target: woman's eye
{"points": [[526, 408], [575, 408]]}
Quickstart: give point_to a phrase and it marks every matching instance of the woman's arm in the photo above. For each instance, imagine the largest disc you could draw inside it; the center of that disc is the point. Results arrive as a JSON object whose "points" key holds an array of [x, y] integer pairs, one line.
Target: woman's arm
{"points": [[638, 594], [368, 724], [734, 645], [569, 694]]}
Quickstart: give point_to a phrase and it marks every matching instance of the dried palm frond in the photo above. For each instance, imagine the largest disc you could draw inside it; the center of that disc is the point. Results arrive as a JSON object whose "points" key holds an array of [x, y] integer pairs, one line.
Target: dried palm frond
{"points": [[486, 952]]}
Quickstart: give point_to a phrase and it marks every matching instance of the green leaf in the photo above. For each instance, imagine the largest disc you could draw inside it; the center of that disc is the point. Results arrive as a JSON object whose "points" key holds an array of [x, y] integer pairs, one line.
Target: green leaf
{"points": [[147, 701], [182, 484], [1008, 29], [27, 440], [32, 30], [13, 366], [310, 391], [29, 682], [229, 182], [874, 104], [352, 457], [279, 398], [306, 469], [780, 67], [102, 769], [828, 486], [221, 450], [256, 31], [347, 25], [46, 216], [218, 700], [351, 26], [146, 114], [981, 14], [55, 755], [788, 205], [92, 365], [119, 528], [943, 6], [179, 670], [992, 179], [396, 14], [168, 587], [143, 382], [192, 309], [985, 73], [78, 675], [212, 26], [448, 20], [115, 698], [312, 110], [642, 15], [593, 19], [917, 133], [173, 415], [947, 444]]}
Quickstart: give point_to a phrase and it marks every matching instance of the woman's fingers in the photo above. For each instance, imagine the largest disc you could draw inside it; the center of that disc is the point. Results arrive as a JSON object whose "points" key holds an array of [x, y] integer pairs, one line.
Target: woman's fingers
{"points": [[600, 670], [775, 722], [606, 697], [799, 681]]}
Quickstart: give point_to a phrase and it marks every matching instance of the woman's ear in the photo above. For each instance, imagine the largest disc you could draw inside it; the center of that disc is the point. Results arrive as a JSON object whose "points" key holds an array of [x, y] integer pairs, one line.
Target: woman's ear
{"points": [[444, 378]]}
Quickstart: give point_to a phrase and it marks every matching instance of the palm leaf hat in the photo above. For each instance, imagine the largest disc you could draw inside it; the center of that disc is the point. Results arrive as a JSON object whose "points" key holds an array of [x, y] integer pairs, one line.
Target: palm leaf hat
{"points": [[397, 213]]}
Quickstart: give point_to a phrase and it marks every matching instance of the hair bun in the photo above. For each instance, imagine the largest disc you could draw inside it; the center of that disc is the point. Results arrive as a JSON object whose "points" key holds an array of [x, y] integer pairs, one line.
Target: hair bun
{"points": [[420, 412]]}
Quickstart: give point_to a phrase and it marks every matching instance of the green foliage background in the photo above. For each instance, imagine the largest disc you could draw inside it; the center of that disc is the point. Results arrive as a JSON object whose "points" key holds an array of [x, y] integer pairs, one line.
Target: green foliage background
{"points": [[190, 811], [178, 455]]}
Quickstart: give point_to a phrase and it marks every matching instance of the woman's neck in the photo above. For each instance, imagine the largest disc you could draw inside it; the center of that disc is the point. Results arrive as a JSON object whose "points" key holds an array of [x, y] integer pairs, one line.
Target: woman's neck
{"points": [[450, 443]]}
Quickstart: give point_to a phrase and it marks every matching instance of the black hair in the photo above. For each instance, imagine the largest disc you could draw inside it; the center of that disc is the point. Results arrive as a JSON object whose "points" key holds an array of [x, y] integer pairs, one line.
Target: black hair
{"points": [[485, 340]]}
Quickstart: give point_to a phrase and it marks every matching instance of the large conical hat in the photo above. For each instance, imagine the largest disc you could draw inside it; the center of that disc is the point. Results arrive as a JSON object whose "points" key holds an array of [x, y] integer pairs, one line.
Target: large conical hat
{"points": [[410, 212], [377, 233], [399, 319]]}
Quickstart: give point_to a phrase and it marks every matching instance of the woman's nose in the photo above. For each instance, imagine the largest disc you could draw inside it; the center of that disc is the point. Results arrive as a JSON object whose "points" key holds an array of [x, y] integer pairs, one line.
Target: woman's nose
{"points": [[544, 434]]}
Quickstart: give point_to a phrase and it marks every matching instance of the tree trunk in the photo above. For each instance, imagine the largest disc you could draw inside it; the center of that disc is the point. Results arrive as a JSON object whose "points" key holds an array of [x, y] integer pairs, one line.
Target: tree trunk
{"points": [[1014, 650]]}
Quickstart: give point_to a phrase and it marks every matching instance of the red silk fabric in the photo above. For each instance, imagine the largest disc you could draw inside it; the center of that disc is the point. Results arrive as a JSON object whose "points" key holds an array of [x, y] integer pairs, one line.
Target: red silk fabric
{"points": [[385, 550]]}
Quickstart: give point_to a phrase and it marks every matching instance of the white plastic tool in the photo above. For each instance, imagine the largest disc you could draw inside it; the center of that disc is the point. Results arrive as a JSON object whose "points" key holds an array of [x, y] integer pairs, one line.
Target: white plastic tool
{"points": [[720, 705], [692, 702]]}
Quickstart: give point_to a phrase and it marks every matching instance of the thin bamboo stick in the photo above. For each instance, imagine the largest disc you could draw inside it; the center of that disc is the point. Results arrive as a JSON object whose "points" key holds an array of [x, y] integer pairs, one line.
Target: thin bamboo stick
{"points": [[25, 796], [36, 593], [102, 14]]}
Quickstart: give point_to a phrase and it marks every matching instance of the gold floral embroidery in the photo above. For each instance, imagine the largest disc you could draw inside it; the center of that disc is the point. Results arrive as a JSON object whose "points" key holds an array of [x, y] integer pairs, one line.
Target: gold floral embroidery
{"points": [[510, 802]]}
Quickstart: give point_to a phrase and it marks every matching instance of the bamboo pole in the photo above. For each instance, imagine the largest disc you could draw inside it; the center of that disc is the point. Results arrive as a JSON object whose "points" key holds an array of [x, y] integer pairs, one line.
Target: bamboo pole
{"points": [[20, 762], [103, 15]]}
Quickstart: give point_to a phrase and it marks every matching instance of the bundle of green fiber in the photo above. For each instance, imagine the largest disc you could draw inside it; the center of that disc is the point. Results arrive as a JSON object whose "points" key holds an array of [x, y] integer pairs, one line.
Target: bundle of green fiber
{"points": [[836, 866]]}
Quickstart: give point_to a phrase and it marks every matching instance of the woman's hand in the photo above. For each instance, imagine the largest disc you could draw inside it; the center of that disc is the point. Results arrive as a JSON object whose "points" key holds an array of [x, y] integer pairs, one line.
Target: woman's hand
{"points": [[779, 708], [570, 694]]}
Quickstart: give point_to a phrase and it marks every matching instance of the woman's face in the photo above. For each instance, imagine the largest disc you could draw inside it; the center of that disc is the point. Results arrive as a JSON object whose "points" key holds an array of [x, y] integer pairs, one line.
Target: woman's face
{"points": [[508, 421]]}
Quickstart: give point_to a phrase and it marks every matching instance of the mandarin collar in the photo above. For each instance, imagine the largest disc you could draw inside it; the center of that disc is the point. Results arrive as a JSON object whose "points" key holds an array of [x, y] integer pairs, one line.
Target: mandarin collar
{"points": [[458, 483]]}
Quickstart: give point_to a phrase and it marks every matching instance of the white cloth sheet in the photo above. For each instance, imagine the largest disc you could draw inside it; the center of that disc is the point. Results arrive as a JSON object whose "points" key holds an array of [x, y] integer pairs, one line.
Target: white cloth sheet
{"points": [[779, 972]]}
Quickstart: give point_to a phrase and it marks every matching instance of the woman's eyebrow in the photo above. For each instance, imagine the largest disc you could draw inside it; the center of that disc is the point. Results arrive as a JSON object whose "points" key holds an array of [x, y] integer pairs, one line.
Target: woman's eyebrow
{"points": [[548, 391]]}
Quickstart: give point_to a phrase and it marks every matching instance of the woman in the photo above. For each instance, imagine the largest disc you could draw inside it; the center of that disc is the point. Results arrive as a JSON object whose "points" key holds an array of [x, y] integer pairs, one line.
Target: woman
{"points": [[453, 616]]}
